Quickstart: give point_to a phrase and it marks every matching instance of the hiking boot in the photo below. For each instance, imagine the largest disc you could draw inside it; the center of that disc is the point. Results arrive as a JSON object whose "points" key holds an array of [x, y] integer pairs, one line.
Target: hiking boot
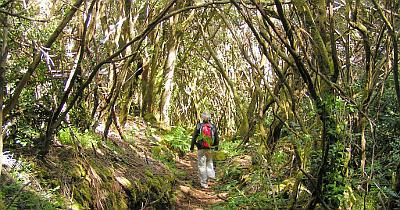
{"points": [[205, 186]]}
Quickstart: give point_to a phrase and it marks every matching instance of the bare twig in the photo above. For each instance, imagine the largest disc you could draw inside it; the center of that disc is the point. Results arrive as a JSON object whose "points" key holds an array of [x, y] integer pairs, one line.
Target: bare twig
{"points": [[22, 17], [6, 3]]}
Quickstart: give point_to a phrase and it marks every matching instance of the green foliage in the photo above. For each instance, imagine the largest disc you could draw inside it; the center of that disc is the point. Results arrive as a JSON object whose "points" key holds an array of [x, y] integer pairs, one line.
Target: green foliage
{"points": [[247, 183], [335, 183], [164, 154], [31, 123], [178, 140], [73, 136], [230, 148], [232, 173], [34, 108], [255, 201], [19, 188], [251, 187], [395, 145], [280, 157], [25, 199], [80, 117]]}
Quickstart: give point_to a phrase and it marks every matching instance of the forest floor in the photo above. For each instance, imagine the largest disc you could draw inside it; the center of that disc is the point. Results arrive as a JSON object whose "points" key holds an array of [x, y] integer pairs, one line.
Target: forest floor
{"points": [[189, 193], [92, 174]]}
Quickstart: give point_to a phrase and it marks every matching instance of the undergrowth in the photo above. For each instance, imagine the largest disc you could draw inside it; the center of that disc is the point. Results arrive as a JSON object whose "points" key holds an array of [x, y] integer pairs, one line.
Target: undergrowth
{"points": [[255, 180], [173, 144], [20, 187], [85, 172], [178, 140], [252, 177]]}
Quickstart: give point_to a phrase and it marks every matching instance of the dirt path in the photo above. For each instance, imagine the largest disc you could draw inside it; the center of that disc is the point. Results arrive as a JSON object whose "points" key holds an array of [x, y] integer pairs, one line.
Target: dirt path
{"points": [[189, 193]]}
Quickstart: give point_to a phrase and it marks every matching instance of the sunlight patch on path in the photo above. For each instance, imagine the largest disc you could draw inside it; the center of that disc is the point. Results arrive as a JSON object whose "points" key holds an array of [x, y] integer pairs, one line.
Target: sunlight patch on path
{"points": [[188, 192]]}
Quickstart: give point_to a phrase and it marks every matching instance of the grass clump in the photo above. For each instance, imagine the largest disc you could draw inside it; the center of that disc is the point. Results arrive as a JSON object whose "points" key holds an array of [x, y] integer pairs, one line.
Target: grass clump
{"points": [[72, 136], [24, 186]]}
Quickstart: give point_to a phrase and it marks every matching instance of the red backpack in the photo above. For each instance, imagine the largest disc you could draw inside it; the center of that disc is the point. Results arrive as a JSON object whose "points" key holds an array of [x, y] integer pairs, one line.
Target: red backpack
{"points": [[205, 137]]}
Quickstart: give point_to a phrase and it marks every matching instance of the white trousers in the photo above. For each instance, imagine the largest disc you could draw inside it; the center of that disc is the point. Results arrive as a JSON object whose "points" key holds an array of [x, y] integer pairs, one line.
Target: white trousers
{"points": [[205, 166]]}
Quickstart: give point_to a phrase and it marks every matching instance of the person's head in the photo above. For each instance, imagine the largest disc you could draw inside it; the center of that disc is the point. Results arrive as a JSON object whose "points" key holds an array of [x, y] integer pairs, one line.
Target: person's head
{"points": [[206, 117]]}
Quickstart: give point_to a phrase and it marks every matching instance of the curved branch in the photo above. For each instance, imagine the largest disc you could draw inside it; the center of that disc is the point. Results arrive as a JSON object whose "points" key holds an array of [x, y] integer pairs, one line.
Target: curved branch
{"points": [[96, 68], [38, 57], [22, 17], [6, 3], [394, 37]]}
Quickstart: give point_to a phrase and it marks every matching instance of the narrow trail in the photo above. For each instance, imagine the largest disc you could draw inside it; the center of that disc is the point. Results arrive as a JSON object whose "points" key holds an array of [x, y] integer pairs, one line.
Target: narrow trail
{"points": [[189, 193]]}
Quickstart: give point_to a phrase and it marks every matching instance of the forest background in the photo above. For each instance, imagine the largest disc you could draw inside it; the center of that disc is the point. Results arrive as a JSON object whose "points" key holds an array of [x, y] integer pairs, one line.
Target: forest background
{"points": [[309, 90]]}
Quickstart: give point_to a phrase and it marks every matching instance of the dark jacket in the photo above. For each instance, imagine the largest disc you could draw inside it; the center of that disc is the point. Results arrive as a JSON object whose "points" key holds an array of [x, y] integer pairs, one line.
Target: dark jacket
{"points": [[197, 133]]}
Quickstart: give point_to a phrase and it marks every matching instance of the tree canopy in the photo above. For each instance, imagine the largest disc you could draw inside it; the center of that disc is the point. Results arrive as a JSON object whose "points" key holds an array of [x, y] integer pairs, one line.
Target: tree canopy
{"points": [[307, 88]]}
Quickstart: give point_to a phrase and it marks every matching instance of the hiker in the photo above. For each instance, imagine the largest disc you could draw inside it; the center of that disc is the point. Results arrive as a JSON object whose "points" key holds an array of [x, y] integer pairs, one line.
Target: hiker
{"points": [[205, 137]]}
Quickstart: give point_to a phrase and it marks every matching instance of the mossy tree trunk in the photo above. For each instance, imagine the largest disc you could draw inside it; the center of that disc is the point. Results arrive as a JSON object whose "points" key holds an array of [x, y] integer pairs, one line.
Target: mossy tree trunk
{"points": [[319, 89], [169, 69], [174, 33], [241, 120], [150, 70], [3, 59], [38, 57], [129, 82], [75, 76], [328, 170], [390, 24]]}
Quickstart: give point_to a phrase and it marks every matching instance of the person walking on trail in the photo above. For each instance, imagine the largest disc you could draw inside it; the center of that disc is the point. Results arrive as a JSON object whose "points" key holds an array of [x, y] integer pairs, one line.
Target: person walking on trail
{"points": [[205, 137]]}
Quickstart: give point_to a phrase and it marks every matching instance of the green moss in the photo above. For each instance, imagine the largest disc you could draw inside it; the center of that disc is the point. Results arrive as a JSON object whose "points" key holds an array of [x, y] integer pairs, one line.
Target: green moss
{"points": [[2, 206], [159, 187], [149, 117], [82, 193], [78, 171], [65, 136], [163, 153], [116, 199], [105, 172]]}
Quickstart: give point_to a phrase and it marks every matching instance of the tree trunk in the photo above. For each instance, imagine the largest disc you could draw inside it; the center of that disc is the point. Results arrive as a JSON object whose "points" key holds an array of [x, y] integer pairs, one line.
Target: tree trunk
{"points": [[130, 83], [3, 58], [394, 36], [38, 57], [74, 76], [397, 187], [95, 106], [363, 146], [145, 87], [149, 75], [138, 39], [148, 93], [128, 89], [168, 84], [169, 69], [114, 92]]}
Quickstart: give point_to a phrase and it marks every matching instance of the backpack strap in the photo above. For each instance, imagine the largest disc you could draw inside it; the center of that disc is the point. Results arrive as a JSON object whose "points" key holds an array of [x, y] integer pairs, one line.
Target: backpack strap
{"points": [[199, 127], [212, 134]]}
